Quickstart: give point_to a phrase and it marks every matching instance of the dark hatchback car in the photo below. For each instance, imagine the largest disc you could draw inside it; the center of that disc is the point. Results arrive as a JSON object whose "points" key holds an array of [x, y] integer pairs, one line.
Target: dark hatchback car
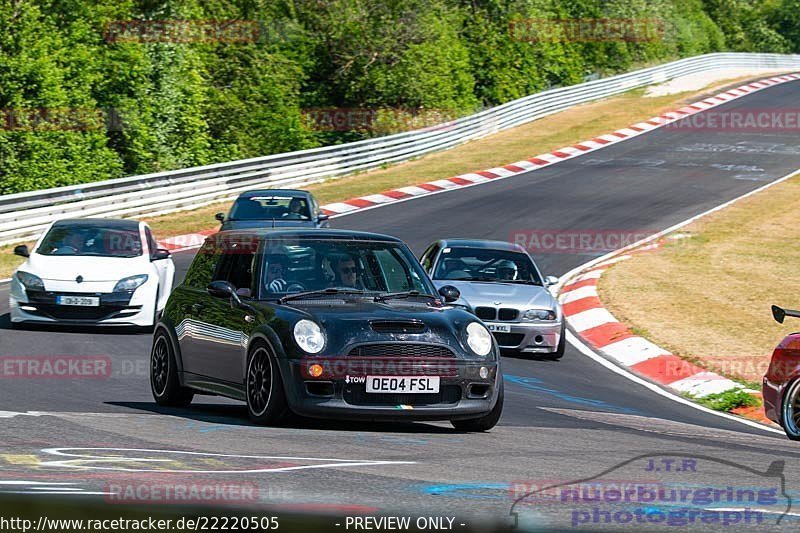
{"points": [[324, 323], [274, 208]]}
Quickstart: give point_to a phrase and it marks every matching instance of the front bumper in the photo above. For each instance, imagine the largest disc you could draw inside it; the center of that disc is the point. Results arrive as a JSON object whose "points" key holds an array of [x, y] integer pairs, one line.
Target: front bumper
{"points": [[528, 337], [462, 393], [115, 309]]}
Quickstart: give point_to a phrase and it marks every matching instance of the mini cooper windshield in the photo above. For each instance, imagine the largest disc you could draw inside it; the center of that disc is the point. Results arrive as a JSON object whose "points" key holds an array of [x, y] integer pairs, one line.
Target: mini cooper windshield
{"points": [[317, 267], [478, 264]]}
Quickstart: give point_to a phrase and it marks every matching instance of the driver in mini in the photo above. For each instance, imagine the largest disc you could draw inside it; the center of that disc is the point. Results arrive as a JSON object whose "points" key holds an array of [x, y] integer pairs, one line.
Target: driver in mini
{"points": [[345, 272]]}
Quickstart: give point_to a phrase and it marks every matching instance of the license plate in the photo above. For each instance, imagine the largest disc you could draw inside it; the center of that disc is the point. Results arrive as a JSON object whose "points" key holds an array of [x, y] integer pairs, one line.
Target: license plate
{"points": [[499, 328], [403, 384], [83, 301]]}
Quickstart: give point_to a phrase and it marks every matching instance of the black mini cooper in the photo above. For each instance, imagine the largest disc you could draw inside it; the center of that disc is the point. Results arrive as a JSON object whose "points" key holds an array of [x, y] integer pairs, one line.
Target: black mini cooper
{"points": [[324, 323]]}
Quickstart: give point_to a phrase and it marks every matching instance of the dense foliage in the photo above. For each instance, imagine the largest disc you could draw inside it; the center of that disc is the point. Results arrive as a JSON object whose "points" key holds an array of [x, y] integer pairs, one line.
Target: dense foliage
{"points": [[81, 103]]}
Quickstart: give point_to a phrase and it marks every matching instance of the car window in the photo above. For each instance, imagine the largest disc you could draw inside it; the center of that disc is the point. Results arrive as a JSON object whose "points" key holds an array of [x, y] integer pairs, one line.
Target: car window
{"points": [[429, 256], [151, 242], [313, 264], [204, 265], [91, 240], [479, 264], [236, 266], [270, 208]]}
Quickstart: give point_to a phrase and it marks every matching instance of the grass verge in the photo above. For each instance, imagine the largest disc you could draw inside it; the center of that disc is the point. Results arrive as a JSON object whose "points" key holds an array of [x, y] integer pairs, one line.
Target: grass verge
{"points": [[707, 297], [728, 400], [556, 131]]}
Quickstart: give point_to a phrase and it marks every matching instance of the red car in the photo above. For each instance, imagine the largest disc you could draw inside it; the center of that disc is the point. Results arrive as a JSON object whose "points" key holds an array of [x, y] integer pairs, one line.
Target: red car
{"points": [[781, 383]]}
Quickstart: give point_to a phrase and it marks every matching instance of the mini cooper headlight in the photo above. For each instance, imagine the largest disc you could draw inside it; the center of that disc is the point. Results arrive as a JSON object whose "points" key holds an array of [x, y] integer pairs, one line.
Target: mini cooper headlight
{"points": [[539, 314], [479, 339], [30, 281], [308, 336], [131, 283]]}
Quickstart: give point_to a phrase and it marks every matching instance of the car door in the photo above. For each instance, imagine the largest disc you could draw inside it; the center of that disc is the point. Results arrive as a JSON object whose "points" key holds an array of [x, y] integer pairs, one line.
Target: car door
{"points": [[226, 328], [191, 298]]}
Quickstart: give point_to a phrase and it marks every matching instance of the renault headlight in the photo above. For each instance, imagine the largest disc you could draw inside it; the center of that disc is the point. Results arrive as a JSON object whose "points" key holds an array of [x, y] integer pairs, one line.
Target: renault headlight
{"points": [[131, 283], [308, 336], [479, 339], [30, 281], [539, 314]]}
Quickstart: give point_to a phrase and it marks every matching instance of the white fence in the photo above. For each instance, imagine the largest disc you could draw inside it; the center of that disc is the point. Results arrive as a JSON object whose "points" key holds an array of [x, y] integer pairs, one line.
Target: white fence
{"points": [[24, 215]]}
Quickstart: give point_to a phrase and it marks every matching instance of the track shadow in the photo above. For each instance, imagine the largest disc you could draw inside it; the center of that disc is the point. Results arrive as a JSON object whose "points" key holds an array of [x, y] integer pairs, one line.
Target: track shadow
{"points": [[535, 357], [236, 415], [5, 324]]}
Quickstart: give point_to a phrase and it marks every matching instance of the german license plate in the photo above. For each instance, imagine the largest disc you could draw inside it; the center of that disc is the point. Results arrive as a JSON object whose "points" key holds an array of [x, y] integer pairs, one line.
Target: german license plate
{"points": [[403, 384], [82, 301], [499, 328]]}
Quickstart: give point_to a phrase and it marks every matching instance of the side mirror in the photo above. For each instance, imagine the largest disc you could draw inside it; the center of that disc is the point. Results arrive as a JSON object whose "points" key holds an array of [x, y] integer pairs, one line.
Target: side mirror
{"points": [[160, 253], [225, 289], [550, 280], [222, 289], [22, 250], [220, 217], [323, 218], [449, 293]]}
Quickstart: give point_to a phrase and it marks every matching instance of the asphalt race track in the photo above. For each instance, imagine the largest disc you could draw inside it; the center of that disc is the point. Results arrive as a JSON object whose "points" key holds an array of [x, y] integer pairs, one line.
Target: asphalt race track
{"points": [[563, 421]]}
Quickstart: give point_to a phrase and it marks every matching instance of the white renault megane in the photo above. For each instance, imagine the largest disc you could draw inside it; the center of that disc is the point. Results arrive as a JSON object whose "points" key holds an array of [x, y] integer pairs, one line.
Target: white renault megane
{"points": [[94, 272]]}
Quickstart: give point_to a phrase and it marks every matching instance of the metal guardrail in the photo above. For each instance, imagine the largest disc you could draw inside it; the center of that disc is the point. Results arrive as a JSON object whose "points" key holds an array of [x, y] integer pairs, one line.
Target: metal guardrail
{"points": [[24, 215]]}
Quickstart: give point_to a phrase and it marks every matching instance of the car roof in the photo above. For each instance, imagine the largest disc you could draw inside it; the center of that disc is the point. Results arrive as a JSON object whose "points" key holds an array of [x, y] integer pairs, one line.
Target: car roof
{"points": [[330, 234], [275, 192], [483, 244], [104, 223]]}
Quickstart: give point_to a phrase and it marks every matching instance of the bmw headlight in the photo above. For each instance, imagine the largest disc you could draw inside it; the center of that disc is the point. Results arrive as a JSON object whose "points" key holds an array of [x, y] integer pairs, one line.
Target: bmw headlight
{"points": [[30, 281], [479, 339], [539, 314], [308, 336], [131, 283]]}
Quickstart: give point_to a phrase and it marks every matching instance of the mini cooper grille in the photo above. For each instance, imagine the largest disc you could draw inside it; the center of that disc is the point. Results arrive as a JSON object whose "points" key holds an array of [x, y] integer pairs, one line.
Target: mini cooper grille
{"points": [[401, 350], [486, 313], [397, 326], [508, 314], [357, 395]]}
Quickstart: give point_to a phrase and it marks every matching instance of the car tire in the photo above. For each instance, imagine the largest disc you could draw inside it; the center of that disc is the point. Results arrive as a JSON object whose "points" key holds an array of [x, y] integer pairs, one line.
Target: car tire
{"points": [[486, 422], [164, 384], [264, 391], [790, 411]]}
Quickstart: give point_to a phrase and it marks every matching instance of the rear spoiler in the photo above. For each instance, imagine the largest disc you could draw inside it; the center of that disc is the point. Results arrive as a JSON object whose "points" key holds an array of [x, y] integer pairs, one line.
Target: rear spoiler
{"points": [[778, 313]]}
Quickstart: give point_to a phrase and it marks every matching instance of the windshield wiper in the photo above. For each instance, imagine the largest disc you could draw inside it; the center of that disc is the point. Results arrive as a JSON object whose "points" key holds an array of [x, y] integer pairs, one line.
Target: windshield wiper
{"points": [[322, 292], [405, 294]]}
